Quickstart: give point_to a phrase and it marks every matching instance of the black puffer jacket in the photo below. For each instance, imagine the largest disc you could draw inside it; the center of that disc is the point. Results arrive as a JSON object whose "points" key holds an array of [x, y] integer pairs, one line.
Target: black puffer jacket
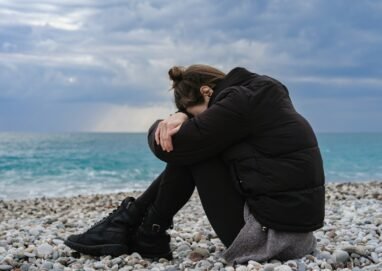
{"points": [[270, 149]]}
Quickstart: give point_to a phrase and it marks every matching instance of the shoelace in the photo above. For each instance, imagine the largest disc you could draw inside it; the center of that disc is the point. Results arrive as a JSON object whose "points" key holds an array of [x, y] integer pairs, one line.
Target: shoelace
{"points": [[110, 215]]}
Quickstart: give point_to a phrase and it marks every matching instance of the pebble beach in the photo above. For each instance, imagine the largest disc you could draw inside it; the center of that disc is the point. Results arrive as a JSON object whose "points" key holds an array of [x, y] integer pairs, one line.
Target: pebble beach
{"points": [[32, 233]]}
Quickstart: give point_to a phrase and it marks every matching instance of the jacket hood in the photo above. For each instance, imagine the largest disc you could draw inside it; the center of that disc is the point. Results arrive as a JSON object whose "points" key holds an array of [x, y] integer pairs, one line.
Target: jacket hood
{"points": [[235, 77]]}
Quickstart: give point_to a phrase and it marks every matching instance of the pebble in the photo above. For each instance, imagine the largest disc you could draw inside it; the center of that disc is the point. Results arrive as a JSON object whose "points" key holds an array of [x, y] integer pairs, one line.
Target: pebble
{"points": [[198, 253], [203, 264], [301, 266], [341, 256], [283, 268], [29, 255], [58, 241], [58, 266], [350, 235], [44, 250], [24, 267], [116, 261], [197, 237], [241, 268], [183, 247], [270, 266], [98, 265], [47, 265], [324, 255]]}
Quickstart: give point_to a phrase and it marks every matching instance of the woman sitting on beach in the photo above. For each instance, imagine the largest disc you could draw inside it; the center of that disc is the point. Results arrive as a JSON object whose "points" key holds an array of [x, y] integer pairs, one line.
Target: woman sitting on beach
{"points": [[255, 162]]}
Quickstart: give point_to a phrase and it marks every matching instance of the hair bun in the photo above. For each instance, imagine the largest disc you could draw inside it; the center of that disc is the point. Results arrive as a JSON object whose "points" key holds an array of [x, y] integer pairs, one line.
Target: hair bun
{"points": [[176, 73]]}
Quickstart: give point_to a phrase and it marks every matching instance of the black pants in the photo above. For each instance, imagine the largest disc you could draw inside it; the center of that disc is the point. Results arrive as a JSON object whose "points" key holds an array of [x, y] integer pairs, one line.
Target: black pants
{"points": [[223, 205]]}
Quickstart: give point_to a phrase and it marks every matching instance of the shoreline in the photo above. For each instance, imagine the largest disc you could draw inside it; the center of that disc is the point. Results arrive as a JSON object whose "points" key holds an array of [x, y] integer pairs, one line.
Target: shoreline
{"points": [[140, 190], [32, 233]]}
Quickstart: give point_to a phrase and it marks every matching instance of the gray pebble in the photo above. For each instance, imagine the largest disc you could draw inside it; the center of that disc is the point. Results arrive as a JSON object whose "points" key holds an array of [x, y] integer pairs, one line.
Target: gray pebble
{"points": [[203, 264], [183, 247], [269, 266], [324, 255], [58, 267], [341, 256], [374, 256], [212, 249], [24, 267], [301, 266], [218, 265], [47, 265], [116, 261], [355, 255], [5, 267], [55, 254]]}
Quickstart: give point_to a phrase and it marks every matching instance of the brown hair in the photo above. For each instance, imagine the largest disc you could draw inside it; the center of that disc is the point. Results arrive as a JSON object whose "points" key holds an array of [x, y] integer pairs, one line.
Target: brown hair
{"points": [[187, 82]]}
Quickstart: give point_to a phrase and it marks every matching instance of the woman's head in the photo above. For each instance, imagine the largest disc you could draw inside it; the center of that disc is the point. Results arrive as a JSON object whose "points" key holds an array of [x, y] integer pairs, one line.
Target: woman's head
{"points": [[192, 86]]}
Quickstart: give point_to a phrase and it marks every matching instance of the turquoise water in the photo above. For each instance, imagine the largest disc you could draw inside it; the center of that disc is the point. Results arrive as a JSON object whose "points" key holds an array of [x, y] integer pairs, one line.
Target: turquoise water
{"points": [[33, 165]]}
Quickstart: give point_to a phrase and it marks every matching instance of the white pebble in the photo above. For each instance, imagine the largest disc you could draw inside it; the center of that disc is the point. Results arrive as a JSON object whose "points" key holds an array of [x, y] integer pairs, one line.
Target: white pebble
{"points": [[283, 268], [44, 250], [241, 268]]}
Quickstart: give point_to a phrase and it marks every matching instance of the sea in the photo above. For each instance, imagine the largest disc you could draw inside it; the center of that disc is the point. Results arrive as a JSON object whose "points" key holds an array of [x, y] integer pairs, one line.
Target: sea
{"points": [[69, 164]]}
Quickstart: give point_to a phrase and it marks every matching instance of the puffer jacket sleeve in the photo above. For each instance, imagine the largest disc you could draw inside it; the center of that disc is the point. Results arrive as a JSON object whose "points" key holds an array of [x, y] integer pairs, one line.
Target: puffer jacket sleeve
{"points": [[210, 132]]}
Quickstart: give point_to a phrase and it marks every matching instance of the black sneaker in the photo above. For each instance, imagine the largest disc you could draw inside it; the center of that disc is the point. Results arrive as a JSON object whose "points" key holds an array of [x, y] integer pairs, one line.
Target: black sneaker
{"points": [[112, 234]]}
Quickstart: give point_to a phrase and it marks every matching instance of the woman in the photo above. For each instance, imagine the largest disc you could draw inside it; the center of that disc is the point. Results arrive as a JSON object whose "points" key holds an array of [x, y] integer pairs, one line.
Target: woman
{"points": [[253, 158]]}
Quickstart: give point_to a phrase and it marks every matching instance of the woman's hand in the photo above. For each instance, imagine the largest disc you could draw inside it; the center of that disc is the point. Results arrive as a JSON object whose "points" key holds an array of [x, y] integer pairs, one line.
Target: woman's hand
{"points": [[166, 128]]}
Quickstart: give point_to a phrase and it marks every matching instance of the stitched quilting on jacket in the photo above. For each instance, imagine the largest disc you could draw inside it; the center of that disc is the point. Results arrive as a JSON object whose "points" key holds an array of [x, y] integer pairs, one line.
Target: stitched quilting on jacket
{"points": [[270, 149]]}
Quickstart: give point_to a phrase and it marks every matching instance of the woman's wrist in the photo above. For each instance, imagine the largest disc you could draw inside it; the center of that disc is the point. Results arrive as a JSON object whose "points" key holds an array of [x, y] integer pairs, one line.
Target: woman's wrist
{"points": [[181, 114], [186, 113]]}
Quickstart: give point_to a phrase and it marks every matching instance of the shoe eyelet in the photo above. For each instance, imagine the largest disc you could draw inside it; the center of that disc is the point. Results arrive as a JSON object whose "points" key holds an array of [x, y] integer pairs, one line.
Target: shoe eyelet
{"points": [[155, 227]]}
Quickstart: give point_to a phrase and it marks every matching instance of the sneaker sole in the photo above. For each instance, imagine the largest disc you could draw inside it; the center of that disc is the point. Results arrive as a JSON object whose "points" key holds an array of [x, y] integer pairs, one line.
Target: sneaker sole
{"points": [[99, 250], [166, 255]]}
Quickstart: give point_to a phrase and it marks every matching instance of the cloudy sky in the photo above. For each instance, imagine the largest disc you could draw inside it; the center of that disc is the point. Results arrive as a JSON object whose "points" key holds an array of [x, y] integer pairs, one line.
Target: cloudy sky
{"points": [[102, 65]]}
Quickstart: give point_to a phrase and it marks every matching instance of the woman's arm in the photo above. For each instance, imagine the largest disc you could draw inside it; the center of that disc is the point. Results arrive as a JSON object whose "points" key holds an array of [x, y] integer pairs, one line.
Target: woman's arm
{"points": [[167, 128], [210, 132]]}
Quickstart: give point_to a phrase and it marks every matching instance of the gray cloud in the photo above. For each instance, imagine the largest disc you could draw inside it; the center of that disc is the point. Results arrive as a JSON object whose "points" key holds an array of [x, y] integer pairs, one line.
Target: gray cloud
{"points": [[118, 52]]}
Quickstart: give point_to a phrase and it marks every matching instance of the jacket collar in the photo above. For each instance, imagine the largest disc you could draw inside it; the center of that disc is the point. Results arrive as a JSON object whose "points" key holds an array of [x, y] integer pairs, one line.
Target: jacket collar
{"points": [[233, 78]]}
